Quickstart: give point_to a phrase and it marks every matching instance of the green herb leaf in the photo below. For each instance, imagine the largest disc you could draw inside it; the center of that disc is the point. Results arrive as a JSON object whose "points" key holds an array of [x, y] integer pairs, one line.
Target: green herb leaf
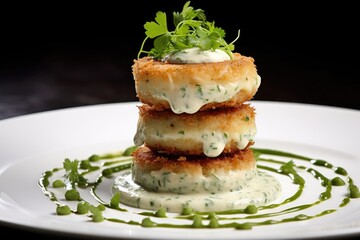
{"points": [[191, 29], [155, 29], [72, 173], [115, 200]]}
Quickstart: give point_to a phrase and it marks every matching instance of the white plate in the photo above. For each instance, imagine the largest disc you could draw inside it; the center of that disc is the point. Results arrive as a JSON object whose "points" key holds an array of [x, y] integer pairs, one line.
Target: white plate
{"points": [[31, 144]]}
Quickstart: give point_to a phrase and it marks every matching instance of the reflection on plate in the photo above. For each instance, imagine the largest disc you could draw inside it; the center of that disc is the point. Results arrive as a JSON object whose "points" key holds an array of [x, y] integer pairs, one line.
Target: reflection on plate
{"points": [[31, 144]]}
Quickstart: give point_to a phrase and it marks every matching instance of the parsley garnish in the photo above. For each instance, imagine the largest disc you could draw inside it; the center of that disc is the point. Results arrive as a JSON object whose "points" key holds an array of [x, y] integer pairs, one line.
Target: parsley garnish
{"points": [[72, 173], [191, 30]]}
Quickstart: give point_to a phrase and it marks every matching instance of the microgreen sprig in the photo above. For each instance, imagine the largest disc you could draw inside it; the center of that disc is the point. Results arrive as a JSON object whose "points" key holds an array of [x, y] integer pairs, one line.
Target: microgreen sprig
{"points": [[72, 173], [191, 30]]}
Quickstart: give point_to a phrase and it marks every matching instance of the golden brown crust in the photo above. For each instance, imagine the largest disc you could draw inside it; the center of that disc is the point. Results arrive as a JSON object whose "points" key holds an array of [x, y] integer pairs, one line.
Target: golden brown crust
{"points": [[160, 129], [147, 68], [220, 115], [151, 75], [148, 160]]}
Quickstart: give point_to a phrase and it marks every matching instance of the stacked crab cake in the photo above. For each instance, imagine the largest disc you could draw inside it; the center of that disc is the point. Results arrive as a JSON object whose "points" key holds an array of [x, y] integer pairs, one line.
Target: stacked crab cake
{"points": [[195, 124]]}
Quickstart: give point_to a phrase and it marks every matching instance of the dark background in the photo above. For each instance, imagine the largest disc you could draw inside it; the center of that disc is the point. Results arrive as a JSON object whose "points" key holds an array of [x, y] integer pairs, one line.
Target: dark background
{"points": [[66, 55], [62, 55]]}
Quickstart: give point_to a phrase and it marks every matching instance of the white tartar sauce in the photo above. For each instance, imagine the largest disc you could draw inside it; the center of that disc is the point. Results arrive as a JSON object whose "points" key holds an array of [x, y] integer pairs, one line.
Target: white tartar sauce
{"points": [[261, 190], [189, 98], [196, 55]]}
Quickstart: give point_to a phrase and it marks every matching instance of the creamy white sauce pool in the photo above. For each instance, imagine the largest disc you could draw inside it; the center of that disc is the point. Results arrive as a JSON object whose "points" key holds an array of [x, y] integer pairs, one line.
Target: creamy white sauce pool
{"points": [[196, 55], [261, 189]]}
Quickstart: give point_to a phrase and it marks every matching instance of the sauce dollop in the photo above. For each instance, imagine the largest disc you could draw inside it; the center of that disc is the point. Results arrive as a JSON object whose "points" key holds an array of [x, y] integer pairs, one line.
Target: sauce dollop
{"points": [[196, 55]]}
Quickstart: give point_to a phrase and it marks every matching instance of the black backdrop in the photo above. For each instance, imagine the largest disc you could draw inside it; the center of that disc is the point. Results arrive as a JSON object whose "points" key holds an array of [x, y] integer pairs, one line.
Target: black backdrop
{"points": [[63, 55]]}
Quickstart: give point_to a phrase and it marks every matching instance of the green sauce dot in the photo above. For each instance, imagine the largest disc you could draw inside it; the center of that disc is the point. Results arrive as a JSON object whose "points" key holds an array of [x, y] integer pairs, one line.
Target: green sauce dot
{"points": [[58, 183], [325, 196], [197, 221], [98, 217], [82, 208], [298, 180], [251, 209], [212, 215], [96, 213], [85, 164], [244, 226], [160, 213], [63, 210], [48, 174], [101, 207], [72, 195], [107, 172], [214, 223], [82, 184], [129, 151], [45, 182], [146, 222], [186, 211], [354, 191], [94, 158], [336, 181], [301, 217], [341, 171]]}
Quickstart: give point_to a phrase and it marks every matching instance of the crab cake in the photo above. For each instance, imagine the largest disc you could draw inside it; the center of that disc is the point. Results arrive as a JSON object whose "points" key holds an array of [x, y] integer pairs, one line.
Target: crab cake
{"points": [[210, 132], [188, 88], [192, 174]]}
